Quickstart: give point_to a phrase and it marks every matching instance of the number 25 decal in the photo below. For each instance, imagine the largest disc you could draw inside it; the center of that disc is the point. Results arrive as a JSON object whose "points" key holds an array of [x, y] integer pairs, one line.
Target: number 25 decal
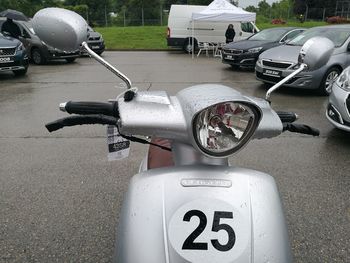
{"points": [[189, 243]]}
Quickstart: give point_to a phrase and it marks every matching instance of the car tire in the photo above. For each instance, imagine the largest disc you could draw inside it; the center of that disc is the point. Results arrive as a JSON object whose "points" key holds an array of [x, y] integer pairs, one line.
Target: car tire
{"points": [[38, 57], [325, 87], [21, 72], [99, 53], [187, 47], [70, 60]]}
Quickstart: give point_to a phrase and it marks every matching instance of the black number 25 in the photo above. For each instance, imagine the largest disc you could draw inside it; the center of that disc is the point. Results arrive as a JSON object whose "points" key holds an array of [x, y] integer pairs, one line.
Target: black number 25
{"points": [[189, 243]]}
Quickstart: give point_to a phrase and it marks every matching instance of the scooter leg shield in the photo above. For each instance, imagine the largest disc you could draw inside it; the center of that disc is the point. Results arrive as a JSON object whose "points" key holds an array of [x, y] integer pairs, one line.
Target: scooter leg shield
{"points": [[202, 214]]}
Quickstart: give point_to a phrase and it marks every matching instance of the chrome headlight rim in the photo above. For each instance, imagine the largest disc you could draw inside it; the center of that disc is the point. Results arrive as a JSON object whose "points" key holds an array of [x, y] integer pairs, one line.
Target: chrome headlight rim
{"points": [[246, 137]]}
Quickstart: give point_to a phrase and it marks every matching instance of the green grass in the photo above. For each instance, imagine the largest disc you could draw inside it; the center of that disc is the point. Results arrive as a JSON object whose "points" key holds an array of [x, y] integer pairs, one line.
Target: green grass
{"points": [[154, 37], [141, 37]]}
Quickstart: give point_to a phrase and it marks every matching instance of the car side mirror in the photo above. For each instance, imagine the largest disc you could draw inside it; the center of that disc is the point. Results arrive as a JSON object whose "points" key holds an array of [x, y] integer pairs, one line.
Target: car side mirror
{"points": [[316, 52], [60, 28]]}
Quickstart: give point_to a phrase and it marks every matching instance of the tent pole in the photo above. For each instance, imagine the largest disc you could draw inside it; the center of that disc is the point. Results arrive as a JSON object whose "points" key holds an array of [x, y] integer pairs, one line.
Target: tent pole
{"points": [[192, 38]]}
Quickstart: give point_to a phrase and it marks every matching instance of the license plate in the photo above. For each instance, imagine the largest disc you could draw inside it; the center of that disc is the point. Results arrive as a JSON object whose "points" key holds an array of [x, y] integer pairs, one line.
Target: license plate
{"points": [[95, 47], [5, 59], [273, 73], [230, 57]]}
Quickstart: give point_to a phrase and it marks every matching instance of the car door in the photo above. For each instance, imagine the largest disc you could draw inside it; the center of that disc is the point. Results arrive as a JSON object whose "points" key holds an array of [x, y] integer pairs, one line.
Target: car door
{"points": [[25, 37]]}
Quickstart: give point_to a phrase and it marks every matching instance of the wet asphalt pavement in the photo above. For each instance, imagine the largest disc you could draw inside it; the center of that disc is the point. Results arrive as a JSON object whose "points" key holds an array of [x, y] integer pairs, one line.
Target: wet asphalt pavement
{"points": [[60, 197]]}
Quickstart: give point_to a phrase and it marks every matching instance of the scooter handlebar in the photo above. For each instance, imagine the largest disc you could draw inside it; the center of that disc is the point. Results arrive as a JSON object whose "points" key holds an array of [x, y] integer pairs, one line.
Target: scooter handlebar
{"points": [[89, 107], [300, 128], [287, 117]]}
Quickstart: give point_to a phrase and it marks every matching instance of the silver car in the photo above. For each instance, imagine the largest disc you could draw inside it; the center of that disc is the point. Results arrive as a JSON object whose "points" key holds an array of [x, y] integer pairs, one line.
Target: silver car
{"points": [[338, 109], [276, 63]]}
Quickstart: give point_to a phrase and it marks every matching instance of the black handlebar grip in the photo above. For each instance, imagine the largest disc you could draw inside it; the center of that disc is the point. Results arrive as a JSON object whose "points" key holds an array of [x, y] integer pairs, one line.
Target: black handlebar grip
{"points": [[301, 128], [88, 107], [80, 120], [287, 117]]}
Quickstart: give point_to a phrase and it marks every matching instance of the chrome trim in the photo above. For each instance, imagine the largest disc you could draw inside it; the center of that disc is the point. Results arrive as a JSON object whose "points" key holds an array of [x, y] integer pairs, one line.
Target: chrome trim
{"points": [[339, 115], [228, 51], [11, 68], [280, 83], [277, 62], [107, 65], [63, 106], [246, 59], [1, 55]]}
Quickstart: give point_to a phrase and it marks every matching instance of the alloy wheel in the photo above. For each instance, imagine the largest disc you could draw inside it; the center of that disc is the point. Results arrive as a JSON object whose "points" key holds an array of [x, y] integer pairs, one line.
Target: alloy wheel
{"points": [[330, 79]]}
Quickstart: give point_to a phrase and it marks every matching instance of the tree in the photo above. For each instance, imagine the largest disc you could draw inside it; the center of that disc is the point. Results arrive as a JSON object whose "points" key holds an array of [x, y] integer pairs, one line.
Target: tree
{"points": [[98, 10]]}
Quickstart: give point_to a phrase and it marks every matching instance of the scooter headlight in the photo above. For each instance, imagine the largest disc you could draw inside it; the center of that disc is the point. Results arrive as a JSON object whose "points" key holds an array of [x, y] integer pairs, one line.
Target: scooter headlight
{"points": [[224, 128], [343, 81]]}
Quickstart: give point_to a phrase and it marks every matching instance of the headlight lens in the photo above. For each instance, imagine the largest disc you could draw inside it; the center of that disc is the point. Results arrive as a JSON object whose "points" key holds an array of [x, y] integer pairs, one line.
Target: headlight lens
{"points": [[343, 81], [259, 62], [20, 47], [222, 129], [254, 50], [297, 66]]}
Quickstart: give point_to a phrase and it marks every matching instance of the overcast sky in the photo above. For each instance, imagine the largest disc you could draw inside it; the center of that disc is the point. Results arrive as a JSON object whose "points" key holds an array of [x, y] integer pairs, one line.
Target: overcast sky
{"points": [[245, 3]]}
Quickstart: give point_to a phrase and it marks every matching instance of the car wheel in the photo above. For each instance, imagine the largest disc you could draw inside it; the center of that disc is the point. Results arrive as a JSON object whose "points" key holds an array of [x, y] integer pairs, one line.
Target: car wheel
{"points": [[328, 80], [99, 53], [38, 57], [70, 60], [21, 72], [187, 47]]}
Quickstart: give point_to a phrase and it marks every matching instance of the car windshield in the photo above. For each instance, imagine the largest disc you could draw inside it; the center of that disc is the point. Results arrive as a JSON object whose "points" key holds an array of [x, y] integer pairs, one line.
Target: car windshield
{"points": [[337, 35], [273, 34]]}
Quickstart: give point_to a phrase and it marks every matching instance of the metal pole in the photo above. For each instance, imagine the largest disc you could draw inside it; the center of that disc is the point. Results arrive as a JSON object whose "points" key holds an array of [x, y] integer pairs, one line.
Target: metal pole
{"points": [[306, 12], [87, 15], [336, 8], [324, 14], [124, 19], [161, 14], [106, 15], [143, 21]]}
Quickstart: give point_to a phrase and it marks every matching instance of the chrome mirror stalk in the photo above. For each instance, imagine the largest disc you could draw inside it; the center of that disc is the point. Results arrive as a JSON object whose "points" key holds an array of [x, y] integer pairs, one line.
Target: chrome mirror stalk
{"points": [[107, 65], [280, 83]]}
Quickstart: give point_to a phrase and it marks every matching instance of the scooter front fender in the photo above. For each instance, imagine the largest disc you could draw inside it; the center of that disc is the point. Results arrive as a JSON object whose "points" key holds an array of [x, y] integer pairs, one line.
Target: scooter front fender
{"points": [[202, 214]]}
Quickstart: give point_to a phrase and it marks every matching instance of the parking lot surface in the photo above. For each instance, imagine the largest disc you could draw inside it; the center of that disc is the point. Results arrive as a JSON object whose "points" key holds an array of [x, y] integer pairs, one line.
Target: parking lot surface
{"points": [[60, 197]]}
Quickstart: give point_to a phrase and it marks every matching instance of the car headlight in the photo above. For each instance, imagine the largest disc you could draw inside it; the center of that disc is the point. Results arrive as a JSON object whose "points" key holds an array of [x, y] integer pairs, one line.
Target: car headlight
{"points": [[20, 47], [297, 66], [254, 50], [259, 62], [343, 81], [224, 128]]}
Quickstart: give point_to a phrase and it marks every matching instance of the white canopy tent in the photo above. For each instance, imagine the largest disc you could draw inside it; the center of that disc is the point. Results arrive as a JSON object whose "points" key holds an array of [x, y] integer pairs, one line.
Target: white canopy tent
{"points": [[221, 11]]}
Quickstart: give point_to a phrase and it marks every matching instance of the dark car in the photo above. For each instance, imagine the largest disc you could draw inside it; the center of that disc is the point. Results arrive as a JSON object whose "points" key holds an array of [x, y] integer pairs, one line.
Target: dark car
{"points": [[95, 42], [13, 56], [38, 51], [245, 53]]}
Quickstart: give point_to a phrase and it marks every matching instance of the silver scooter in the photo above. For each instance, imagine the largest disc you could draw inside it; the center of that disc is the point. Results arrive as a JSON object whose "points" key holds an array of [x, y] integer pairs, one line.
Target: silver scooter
{"points": [[189, 205]]}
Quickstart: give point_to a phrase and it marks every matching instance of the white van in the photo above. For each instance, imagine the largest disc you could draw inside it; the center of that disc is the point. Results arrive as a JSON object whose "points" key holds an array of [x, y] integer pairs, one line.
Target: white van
{"points": [[180, 28]]}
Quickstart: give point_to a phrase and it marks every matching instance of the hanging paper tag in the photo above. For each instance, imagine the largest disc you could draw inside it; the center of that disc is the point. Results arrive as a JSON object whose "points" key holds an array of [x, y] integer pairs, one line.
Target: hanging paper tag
{"points": [[118, 147]]}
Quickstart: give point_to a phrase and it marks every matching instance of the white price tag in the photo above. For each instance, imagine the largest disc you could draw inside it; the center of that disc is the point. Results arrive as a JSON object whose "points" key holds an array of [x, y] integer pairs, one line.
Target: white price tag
{"points": [[118, 147]]}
